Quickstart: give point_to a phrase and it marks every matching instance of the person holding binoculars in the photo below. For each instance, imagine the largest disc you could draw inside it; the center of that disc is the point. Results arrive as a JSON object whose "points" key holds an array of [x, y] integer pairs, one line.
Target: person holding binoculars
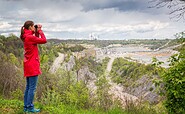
{"points": [[31, 35]]}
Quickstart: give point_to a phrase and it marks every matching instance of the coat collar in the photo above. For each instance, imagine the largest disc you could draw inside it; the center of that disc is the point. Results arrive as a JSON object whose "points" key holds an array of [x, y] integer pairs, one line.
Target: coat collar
{"points": [[27, 32]]}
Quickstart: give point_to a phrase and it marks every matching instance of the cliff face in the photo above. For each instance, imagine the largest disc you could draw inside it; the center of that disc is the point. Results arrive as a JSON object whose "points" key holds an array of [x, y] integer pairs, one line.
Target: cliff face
{"points": [[85, 75], [144, 89], [89, 78], [57, 63], [70, 64], [141, 89]]}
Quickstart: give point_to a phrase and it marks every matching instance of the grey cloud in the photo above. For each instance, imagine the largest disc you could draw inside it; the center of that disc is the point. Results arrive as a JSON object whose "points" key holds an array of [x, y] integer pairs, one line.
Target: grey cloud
{"points": [[122, 5]]}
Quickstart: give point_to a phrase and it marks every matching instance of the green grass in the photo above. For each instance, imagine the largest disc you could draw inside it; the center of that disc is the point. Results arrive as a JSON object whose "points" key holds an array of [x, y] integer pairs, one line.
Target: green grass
{"points": [[16, 107], [8, 106]]}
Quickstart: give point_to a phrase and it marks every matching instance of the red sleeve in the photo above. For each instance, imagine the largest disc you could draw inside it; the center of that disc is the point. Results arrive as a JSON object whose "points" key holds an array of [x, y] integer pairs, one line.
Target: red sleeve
{"points": [[37, 40]]}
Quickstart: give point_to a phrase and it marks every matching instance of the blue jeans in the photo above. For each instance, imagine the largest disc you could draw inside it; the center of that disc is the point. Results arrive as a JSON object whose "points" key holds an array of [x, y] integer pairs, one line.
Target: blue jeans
{"points": [[31, 83]]}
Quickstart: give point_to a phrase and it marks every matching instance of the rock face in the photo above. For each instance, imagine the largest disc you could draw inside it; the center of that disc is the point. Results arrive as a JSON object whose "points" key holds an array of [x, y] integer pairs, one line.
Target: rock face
{"points": [[89, 78], [144, 89], [70, 64], [57, 63], [117, 93], [85, 75]]}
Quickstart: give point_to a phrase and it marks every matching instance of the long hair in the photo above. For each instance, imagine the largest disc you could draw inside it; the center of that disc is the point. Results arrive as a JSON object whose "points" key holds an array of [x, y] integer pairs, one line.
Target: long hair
{"points": [[27, 24]]}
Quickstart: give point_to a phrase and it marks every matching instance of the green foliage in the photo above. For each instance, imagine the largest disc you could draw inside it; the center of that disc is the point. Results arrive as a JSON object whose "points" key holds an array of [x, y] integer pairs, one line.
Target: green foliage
{"points": [[11, 44], [157, 68], [77, 66], [123, 69], [72, 92], [155, 62], [13, 59], [144, 108], [153, 43], [174, 80], [94, 67], [17, 94], [16, 107], [103, 97], [46, 81], [97, 68], [10, 76], [61, 93], [48, 53], [64, 80], [11, 106], [67, 58], [75, 48], [104, 63], [180, 37], [77, 95], [51, 98]]}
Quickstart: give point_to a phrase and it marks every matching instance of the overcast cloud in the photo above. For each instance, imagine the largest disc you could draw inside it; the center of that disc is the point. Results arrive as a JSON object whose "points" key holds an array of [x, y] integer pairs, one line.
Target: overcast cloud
{"points": [[78, 19]]}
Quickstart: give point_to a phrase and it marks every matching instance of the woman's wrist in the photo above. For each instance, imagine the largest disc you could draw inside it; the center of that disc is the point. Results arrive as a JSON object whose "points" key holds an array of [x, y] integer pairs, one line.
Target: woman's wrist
{"points": [[40, 31]]}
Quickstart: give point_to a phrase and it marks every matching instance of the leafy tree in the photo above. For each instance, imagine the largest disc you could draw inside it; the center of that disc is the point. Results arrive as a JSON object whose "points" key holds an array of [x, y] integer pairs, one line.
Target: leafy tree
{"points": [[103, 96], [174, 80], [13, 59], [10, 76], [77, 66], [77, 95], [51, 97]]}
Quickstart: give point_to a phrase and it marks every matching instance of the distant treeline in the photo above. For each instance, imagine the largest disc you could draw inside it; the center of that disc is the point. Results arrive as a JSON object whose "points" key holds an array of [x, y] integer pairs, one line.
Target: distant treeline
{"points": [[152, 43]]}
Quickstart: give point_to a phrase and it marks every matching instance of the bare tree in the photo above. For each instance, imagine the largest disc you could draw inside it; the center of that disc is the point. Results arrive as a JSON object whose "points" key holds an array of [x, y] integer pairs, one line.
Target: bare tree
{"points": [[177, 7]]}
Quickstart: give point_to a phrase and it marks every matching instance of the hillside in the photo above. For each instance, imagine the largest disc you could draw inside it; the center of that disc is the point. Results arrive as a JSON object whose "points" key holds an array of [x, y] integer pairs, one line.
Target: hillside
{"points": [[86, 77]]}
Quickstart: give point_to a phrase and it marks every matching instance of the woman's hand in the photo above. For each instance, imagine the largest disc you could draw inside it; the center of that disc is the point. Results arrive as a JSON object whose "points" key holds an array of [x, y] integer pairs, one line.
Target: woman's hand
{"points": [[39, 27]]}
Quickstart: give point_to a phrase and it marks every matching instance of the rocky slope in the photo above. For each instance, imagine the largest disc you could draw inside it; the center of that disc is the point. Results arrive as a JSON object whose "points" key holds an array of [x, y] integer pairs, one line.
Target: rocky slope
{"points": [[119, 92], [140, 89]]}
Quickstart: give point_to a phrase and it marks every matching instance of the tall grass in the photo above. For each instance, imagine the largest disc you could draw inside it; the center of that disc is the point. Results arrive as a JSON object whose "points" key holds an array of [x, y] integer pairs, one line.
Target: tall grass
{"points": [[16, 107]]}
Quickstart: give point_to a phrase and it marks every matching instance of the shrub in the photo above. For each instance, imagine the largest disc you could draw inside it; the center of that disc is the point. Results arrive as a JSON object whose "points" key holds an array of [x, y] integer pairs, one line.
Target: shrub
{"points": [[51, 98], [77, 95], [174, 80], [17, 94]]}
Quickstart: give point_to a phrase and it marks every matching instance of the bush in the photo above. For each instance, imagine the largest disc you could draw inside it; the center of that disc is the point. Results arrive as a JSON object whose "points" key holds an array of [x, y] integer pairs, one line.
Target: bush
{"points": [[104, 98], [51, 98], [77, 95], [17, 94], [174, 84], [123, 69], [174, 80], [10, 76]]}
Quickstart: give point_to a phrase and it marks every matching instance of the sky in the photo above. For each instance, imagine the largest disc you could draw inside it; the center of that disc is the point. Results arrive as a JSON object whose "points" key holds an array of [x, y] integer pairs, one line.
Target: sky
{"points": [[87, 19]]}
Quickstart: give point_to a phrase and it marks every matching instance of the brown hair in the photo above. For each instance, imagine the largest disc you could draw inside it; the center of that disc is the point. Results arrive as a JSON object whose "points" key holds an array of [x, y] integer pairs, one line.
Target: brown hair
{"points": [[27, 24]]}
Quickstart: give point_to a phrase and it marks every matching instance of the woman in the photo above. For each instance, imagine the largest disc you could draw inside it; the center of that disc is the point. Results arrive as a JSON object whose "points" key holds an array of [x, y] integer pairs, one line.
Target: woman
{"points": [[31, 36]]}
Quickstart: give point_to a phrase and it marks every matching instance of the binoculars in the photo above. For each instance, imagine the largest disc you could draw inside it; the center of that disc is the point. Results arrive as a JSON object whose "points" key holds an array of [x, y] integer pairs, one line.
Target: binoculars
{"points": [[36, 26]]}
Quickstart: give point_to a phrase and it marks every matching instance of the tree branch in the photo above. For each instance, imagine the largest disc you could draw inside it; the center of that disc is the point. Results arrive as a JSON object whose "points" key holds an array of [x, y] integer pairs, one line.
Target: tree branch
{"points": [[177, 7]]}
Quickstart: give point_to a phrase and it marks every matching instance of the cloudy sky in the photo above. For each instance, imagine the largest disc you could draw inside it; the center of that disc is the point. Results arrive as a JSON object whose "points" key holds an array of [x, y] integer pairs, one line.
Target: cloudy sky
{"points": [[84, 19]]}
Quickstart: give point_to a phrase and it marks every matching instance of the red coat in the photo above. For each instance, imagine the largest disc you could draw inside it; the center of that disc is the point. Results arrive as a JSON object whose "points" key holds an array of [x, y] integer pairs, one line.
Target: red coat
{"points": [[31, 53]]}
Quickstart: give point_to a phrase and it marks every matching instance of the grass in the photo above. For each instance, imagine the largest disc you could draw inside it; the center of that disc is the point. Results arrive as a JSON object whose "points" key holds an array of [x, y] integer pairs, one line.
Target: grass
{"points": [[16, 107], [8, 106]]}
